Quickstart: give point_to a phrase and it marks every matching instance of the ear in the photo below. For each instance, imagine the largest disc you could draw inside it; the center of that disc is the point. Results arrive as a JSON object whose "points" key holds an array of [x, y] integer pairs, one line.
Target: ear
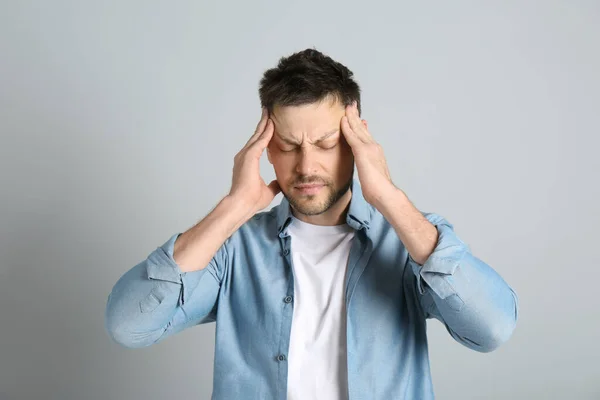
{"points": [[364, 121]]}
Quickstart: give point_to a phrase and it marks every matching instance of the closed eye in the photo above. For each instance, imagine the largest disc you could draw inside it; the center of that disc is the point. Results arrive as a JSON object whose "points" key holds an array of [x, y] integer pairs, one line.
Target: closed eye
{"points": [[329, 147]]}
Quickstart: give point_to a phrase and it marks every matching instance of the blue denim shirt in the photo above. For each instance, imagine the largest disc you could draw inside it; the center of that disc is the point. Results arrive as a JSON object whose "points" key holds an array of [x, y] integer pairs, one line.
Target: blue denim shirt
{"points": [[248, 289]]}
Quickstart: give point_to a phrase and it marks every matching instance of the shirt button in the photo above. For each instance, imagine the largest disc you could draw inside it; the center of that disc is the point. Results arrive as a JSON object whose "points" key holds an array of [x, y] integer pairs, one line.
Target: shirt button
{"points": [[281, 357], [288, 299], [286, 252]]}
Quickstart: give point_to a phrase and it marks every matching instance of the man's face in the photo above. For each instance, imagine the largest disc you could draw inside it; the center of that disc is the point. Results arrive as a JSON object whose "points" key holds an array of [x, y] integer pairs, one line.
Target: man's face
{"points": [[313, 162]]}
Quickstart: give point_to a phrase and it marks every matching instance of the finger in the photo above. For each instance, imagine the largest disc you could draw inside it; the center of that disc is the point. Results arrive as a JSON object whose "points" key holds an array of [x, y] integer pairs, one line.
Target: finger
{"points": [[263, 140], [348, 133], [268, 132], [263, 121], [357, 125], [260, 128]]}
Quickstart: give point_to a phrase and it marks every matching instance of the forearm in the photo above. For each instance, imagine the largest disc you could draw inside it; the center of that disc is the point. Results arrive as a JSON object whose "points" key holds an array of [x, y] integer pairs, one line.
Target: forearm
{"points": [[478, 307], [475, 303], [154, 299], [176, 285], [195, 247], [417, 234], [133, 317]]}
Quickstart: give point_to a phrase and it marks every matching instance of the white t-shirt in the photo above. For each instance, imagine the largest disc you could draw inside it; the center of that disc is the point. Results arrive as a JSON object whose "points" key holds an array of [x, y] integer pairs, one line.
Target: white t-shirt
{"points": [[317, 367]]}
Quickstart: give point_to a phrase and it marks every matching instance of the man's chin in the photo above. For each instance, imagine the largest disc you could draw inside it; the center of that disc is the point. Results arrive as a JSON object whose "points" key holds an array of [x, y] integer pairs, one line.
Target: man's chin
{"points": [[318, 203], [309, 209], [310, 204]]}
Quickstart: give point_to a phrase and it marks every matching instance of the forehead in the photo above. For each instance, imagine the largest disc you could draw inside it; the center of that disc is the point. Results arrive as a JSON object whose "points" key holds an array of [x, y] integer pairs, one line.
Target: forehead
{"points": [[311, 120]]}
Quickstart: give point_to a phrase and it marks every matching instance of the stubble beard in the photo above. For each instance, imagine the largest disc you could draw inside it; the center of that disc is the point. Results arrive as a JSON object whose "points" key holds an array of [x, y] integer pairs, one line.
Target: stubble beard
{"points": [[307, 205]]}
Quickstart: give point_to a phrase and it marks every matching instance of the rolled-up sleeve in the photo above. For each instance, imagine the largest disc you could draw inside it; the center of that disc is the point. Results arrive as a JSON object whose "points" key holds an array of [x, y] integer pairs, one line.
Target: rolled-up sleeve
{"points": [[155, 299], [477, 306]]}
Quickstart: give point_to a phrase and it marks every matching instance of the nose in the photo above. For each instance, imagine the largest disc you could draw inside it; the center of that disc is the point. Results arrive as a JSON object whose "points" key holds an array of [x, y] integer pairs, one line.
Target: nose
{"points": [[307, 162]]}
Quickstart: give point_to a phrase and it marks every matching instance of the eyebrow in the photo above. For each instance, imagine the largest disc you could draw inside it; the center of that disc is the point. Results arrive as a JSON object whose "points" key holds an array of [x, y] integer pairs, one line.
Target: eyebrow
{"points": [[319, 140]]}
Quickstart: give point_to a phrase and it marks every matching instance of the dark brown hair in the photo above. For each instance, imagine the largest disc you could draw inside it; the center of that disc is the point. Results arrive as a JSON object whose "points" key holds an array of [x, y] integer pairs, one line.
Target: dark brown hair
{"points": [[306, 77]]}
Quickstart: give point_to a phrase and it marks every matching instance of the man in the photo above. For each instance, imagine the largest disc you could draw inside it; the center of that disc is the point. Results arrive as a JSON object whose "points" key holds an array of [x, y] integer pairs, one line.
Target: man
{"points": [[326, 295]]}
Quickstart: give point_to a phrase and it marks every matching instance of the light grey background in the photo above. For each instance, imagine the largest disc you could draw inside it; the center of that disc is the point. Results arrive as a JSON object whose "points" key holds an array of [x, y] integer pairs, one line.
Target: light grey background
{"points": [[119, 124]]}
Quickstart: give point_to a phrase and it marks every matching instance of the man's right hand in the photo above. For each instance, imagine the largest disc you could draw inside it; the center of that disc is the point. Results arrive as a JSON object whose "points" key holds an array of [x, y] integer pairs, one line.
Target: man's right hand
{"points": [[247, 186]]}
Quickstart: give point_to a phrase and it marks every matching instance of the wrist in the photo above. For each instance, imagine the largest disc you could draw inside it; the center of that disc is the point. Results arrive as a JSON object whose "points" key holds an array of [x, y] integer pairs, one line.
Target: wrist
{"points": [[236, 209], [389, 198]]}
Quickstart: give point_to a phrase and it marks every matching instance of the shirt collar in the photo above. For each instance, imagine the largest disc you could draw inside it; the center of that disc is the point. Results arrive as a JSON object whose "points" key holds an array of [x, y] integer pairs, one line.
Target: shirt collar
{"points": [[358, 217]]}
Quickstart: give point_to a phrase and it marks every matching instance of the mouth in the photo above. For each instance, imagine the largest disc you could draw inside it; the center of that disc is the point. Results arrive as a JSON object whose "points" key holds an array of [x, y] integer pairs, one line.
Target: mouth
{"points": [[310, 188]]}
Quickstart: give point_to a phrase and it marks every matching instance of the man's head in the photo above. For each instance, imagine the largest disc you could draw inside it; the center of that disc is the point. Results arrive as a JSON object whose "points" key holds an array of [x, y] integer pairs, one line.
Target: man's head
{"points": [[306, 95]]}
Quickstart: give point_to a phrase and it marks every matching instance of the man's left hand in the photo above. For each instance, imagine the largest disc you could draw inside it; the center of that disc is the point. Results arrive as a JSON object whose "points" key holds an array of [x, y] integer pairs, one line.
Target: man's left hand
{"points": [[372, 168]]}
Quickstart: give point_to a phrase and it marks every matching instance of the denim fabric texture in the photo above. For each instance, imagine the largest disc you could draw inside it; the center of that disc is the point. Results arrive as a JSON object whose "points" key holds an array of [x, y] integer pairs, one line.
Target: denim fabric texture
{"points": [[247, 288]]}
